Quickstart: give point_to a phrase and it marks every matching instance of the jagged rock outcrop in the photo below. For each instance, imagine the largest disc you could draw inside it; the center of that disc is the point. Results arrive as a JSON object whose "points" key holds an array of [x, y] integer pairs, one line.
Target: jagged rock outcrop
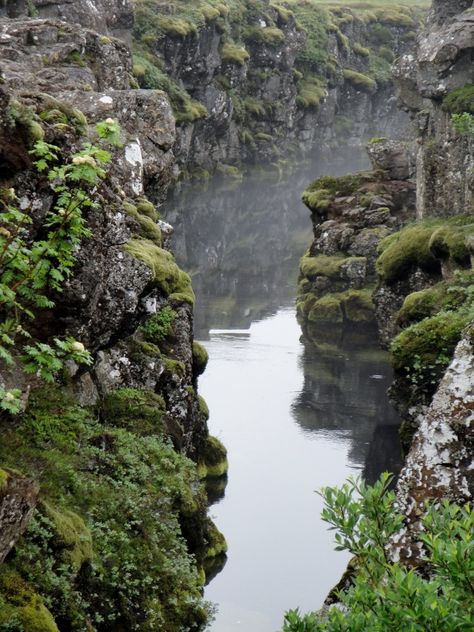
{"points": [[273, 80], [103, 16], [18, 497], [351, 215], [430, 81], [440, 462]]}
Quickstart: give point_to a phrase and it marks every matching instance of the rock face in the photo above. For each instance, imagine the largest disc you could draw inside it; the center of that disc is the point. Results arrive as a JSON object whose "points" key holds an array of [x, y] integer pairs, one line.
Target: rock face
{"points": [[18, 497], [440, 462], [125, 427], [351, 215], [273, 81], [429, 80]]}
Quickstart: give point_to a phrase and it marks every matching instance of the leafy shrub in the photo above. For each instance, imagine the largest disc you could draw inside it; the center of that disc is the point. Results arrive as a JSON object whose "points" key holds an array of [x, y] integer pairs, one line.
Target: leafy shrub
{"points": [[385, 595], [159, 326]]}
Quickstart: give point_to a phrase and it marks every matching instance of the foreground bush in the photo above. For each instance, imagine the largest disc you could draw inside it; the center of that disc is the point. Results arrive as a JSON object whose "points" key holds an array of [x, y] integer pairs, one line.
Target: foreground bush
{"points": [[385, 595]]}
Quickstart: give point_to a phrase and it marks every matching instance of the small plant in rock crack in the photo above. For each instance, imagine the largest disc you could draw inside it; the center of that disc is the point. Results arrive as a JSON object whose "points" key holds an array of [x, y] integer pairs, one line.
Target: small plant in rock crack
{"points": [[35, 261], [159, 326]]}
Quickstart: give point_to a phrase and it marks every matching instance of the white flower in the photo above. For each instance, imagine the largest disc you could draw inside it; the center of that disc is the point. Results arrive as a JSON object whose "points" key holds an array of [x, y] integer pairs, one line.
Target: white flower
{"points": [[77, 346], [11, 193], [84, 160], [9, 396], [110, 121]]}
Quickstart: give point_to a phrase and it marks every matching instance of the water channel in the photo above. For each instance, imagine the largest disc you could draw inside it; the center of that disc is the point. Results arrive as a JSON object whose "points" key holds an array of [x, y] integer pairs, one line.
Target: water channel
{"points": [[293, 417]]}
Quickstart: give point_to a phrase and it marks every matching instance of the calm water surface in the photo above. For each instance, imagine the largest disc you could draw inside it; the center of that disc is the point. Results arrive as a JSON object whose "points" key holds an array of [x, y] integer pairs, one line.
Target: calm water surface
{"points": [[293, 418]]}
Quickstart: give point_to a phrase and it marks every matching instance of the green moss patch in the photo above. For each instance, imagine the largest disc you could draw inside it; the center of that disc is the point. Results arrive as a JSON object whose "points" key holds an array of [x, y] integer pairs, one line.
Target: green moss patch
{"points": [[213, 459], [359, 81], [327, 266], [422, 352], [70, 534], [21, 609], [460, 100], [350, 307], [166, 273], [3, 480], [200, 358], [405, 250], [425, 245], [137, 410], [234, 54]]}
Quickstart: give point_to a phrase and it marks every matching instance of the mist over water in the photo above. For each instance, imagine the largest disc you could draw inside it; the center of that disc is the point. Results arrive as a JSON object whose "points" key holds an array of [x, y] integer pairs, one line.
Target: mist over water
{"points": [[294, 418]]}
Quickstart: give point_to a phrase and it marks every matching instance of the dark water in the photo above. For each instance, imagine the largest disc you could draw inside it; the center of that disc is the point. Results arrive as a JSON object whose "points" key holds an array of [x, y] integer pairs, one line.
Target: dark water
{"points": [[294, 418]]}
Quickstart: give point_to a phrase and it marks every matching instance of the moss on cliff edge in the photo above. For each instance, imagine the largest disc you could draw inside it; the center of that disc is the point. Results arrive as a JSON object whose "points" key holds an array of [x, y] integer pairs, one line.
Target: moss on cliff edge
{"points": [[166, 274], [426, 245]]}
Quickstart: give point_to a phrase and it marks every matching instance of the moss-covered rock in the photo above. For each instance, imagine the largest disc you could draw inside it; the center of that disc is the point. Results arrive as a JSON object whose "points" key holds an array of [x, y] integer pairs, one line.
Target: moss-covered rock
{"points": [[213, 459], [425, 244], [216, 543], [139, 411], [408, 249], [200, 358], [70, 534], [203, 407], [20, 607], [332, 267], [327, 309], [422, 352], [174, 282]]}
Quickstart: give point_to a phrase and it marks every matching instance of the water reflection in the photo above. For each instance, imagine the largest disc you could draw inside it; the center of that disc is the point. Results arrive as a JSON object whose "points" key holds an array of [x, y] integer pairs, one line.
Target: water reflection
{"points": [[242, 242], [345, 394], [294, 417]]}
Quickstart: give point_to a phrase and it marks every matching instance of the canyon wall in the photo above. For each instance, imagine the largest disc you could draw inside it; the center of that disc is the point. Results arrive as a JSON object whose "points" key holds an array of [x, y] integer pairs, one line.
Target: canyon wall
{"points": [[370, 261], [103, 515]]}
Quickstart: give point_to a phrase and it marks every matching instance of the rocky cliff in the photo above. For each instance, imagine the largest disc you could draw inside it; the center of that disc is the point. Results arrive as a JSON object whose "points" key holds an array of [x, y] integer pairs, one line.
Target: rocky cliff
{"points": [[104, 436], [257, 81], [422, 275]]}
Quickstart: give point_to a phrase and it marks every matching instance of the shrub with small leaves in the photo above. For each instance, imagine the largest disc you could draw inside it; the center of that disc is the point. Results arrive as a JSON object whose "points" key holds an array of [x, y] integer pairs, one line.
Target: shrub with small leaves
{"points": [[385, 595]]}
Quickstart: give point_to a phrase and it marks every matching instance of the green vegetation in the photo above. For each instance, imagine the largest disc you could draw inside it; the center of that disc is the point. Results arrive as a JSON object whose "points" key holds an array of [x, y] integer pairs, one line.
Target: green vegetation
{"points": [[321, 193], [235, 54], [359, 81], [33, 267], [137, 410], [311, 91], [159, 326], [463, 123], [324, 265], [351, 307], [435, 317], [102, 483], [269, 35], [425, 244], [200, 358], [460, 100], [384, 594], [422, 352], [165, 272], [214, 459]]}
